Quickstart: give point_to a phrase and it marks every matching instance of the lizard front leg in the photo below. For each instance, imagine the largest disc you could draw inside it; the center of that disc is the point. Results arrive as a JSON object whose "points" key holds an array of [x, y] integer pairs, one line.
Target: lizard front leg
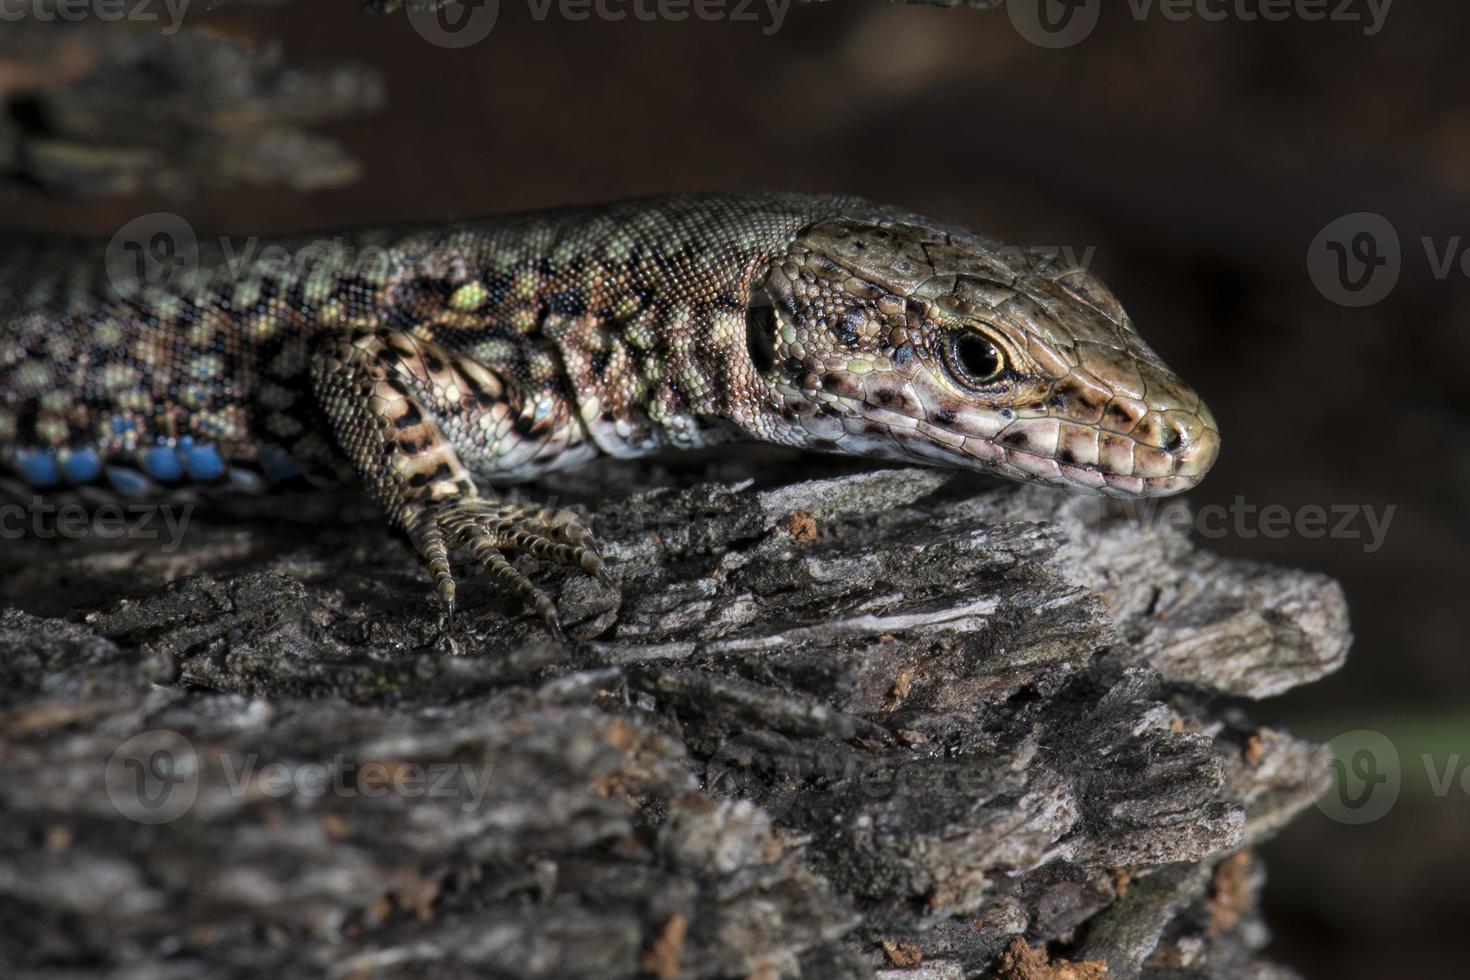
{"points": [[389, 398]]}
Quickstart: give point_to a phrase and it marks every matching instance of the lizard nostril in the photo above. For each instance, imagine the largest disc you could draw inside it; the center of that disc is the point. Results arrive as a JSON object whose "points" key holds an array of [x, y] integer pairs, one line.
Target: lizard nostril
{"points": [[1171, 436], [1190, 441]]}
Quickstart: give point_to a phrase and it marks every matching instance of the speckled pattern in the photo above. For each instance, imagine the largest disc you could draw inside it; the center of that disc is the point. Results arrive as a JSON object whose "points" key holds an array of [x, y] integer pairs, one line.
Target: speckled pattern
{"points": [[433, 364]]}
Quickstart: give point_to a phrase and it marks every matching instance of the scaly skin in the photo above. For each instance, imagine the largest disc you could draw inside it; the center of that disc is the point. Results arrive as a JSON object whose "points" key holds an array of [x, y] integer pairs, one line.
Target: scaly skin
{"points": [[434, 364]]}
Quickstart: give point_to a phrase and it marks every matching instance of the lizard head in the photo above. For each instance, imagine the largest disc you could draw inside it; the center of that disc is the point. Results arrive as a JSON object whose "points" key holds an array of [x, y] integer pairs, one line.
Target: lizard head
{"points": [[887, 335]]}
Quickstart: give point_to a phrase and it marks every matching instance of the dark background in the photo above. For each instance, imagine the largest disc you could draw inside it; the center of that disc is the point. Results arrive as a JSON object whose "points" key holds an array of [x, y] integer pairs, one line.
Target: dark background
{"points": [[1200, 159]]}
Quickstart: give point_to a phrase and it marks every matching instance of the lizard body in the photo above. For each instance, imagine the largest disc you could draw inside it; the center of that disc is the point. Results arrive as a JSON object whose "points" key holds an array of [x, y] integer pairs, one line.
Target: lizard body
{"points": [[431, 364]]}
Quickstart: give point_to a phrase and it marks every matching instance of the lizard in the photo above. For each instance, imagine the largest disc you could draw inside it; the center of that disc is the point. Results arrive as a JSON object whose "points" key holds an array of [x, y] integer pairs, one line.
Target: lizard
{"points": [[432, 365]]}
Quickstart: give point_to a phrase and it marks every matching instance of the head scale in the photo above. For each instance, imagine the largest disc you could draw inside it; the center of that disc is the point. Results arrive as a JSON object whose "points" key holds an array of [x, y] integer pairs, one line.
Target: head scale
{"points": [[887, 335]]}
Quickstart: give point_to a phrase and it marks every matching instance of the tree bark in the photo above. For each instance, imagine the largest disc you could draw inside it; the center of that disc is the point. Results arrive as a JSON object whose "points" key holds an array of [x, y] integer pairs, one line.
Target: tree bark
{"points": [[890, 723]]}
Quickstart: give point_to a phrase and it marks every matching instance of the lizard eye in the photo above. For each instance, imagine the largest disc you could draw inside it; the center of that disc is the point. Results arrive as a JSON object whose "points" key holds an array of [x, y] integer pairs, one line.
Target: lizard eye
{"points": [[972, 360]]}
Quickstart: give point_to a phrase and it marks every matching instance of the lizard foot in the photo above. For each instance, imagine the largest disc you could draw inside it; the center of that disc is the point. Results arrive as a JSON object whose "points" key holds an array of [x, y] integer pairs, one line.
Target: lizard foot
{"points": [[486, 531]]}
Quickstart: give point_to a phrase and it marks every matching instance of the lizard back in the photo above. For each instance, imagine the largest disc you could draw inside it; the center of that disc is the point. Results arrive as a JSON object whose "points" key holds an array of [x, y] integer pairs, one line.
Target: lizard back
{"points": [[201, 374]]}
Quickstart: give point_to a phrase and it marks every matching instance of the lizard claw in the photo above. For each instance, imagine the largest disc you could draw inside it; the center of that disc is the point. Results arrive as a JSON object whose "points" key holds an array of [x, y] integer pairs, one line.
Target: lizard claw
{"points": [[553, 623], [487, 531]]}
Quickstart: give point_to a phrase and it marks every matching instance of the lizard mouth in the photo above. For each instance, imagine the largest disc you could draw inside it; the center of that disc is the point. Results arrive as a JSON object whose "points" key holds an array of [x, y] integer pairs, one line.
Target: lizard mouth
{"points": [[1121, 466], [1045, 450]]}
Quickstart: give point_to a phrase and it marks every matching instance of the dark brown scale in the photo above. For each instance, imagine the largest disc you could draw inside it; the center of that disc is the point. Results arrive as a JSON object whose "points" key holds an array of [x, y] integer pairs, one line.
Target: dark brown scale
{"points": [[847, 328]]}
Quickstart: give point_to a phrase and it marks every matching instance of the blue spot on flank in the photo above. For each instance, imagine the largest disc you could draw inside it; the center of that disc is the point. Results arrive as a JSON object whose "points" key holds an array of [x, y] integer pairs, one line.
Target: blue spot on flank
{"points": [[122, 426], [83, 466], [38, 467], [277, 464], [202, 462], [128, 482], [162, 463]]}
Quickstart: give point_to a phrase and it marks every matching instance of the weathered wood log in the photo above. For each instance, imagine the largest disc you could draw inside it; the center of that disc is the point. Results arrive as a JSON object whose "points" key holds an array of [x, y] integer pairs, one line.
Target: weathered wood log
{"points": [[888, 723], [90, 109]]}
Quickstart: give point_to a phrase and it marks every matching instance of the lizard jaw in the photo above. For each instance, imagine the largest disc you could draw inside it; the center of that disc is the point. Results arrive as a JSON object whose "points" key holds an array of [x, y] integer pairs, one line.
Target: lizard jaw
{"points": [[1046, 450]]}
